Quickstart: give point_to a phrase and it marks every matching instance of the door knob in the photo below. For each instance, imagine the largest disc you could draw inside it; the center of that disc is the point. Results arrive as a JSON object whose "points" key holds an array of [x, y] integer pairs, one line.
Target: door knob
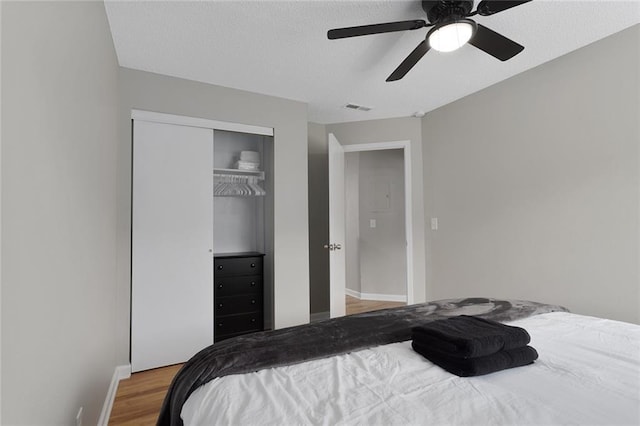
{"points": [[332, 247]]}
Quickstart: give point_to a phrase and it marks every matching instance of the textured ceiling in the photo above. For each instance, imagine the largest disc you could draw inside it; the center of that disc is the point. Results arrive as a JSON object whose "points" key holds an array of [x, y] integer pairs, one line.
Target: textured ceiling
{"points": [[281, 48]]}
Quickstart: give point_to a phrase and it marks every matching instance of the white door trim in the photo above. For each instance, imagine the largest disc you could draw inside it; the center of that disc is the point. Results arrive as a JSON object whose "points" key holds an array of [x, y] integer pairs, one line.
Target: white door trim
{"points": [[408, 210], [160, 117]]}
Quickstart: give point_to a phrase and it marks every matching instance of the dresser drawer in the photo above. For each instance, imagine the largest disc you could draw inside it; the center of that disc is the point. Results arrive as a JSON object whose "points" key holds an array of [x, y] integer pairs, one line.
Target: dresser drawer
{"points": [[237, 266], [231, 305], [231, 286], [236, 324]]}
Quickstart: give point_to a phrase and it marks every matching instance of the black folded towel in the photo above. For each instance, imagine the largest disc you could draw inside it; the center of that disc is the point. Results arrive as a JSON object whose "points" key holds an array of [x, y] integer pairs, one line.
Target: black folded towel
{"points": [[479, 366], [469, 337]]}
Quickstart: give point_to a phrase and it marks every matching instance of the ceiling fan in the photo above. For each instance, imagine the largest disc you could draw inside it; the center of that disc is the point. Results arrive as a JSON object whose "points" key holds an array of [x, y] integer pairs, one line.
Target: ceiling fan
{"points": [[452, 29]]}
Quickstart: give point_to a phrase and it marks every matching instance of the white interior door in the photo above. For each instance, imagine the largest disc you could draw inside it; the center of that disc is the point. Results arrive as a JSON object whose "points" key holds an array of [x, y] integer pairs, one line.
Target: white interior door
{"points": [[337, 267], [172, 241]]}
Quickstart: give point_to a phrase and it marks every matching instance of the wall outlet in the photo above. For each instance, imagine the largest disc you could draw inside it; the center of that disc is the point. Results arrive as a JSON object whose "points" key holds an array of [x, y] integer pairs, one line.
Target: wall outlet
{"points": [[79, 417]]}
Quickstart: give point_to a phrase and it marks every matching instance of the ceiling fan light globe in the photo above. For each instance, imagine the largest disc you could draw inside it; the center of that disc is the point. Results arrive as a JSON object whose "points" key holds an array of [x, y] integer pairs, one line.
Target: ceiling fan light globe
{"points": [[451, 36]]}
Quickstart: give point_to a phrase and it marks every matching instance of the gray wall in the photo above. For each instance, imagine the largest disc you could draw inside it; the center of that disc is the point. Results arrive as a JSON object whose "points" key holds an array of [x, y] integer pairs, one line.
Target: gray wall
{"points": [[318, 218], [59, 140], [153, 92], [535, 184], [388, 130], [383, 259]]}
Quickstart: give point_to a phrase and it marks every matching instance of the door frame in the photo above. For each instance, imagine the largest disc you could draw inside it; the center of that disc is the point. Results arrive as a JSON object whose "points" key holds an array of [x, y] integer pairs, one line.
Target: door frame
{"points": [[205, 123], [405, 145], [183, 120]]}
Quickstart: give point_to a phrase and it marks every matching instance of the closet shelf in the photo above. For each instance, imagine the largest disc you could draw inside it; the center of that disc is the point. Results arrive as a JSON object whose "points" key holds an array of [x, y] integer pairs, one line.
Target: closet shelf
{"points": [[238, 172]]}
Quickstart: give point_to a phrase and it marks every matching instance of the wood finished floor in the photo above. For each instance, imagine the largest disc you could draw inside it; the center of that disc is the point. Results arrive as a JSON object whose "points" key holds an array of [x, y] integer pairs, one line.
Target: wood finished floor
{"points": [[357, 306], [139, 398]]}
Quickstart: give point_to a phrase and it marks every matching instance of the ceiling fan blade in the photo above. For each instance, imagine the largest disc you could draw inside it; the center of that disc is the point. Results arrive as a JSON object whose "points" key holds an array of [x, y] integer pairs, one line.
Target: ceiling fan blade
{"points": [[495, 44], [388, 27], [410, 61], [489, 7]]}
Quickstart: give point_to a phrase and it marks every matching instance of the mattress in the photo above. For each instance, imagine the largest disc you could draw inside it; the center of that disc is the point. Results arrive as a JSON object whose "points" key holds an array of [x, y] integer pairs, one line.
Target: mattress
{"points": [[287, 346], [588, 372]]}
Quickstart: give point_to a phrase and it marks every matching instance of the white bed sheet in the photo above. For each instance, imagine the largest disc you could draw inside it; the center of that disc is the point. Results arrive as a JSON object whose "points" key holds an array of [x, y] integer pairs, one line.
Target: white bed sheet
{"points": [[588, 373]]}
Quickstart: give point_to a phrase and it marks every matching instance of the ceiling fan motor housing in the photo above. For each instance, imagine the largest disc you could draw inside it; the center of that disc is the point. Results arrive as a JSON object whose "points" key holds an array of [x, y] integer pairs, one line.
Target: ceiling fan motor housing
{"points": [[439, 11]]}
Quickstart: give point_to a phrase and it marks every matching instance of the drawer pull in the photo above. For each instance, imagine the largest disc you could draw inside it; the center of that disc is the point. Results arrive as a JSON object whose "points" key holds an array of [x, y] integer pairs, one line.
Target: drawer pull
{"points": [[253, 302], [253, 265], [220, 285], [253, 283], [253, 320], [220, 267], [220, 305], [219, 324]]}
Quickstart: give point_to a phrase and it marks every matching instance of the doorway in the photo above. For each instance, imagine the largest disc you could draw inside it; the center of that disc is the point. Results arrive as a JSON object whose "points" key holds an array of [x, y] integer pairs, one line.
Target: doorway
{"points": [[376, 229], [375, 244]]}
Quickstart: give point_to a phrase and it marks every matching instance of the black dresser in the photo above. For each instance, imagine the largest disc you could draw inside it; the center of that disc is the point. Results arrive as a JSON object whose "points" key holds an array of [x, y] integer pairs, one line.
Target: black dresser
{"points": [[238, 294]]}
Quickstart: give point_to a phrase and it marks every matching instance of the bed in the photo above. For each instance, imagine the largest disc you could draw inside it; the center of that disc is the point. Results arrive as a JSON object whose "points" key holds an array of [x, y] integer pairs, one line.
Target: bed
{"points": [[361, 369]]}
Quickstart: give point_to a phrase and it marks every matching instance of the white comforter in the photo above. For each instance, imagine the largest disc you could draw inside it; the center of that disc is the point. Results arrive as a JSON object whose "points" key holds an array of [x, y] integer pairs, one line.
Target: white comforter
{"points": [[588, 373]]}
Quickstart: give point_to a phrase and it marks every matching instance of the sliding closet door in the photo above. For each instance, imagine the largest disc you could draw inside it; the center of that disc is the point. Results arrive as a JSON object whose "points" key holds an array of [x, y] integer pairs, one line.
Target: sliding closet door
{"points": [[172, 225]]}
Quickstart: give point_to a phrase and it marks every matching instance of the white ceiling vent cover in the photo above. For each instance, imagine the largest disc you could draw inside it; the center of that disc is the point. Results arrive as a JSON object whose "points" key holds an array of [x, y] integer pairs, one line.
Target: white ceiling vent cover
{"points": [[358, 107]]}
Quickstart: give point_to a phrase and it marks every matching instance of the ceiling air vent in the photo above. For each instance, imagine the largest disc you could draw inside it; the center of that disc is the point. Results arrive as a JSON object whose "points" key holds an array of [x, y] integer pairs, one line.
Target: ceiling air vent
{"points": [[357, 107]]}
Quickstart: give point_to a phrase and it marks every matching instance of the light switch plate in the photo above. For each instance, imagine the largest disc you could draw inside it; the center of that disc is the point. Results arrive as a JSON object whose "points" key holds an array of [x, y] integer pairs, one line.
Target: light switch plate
{"points": [[372, 223], [434, 223]]}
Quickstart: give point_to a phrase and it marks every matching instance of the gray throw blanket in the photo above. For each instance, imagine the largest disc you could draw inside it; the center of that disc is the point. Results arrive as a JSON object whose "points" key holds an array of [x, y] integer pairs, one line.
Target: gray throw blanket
{"points": [[275, 348]]}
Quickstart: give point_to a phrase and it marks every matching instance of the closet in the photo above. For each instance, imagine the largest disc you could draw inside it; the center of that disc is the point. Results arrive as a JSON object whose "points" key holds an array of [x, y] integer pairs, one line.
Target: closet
{"points": [[202, 235]]}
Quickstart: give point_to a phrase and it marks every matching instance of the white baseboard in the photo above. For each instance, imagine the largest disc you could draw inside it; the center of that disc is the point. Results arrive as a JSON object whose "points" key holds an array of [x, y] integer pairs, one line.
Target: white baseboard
{"points": [[319, 316], [352, 293], [376, 296], [121, 372]]}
